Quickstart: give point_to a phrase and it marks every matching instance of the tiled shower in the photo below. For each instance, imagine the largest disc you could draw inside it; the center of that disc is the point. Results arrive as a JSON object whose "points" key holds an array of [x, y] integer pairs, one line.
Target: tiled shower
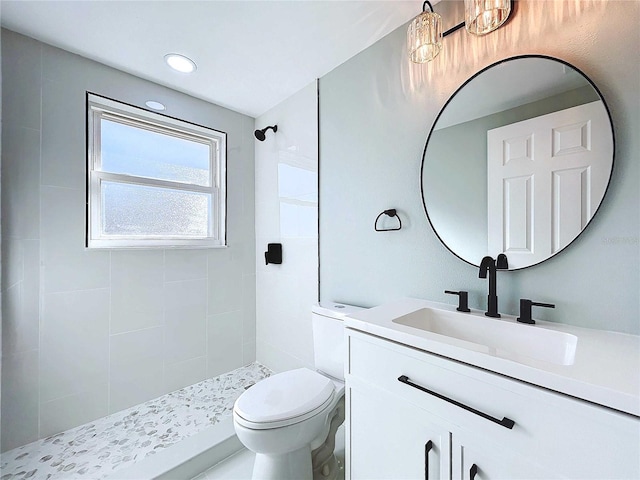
{"points": [[87, 333], [110, 444]]}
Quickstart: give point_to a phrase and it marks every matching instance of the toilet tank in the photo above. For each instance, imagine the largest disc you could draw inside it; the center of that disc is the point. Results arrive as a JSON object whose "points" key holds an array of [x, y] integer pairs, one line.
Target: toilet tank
{"points": [[328, 337]]}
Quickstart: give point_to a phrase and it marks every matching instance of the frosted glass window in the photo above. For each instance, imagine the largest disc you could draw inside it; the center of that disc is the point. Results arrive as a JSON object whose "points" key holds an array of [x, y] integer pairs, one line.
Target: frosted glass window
{"points": [[151, 211], [154, 181]]}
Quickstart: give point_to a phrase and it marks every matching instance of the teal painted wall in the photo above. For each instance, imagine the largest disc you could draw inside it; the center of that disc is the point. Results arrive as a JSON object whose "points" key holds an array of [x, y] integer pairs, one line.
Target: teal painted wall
{"points": [[376, 111]]}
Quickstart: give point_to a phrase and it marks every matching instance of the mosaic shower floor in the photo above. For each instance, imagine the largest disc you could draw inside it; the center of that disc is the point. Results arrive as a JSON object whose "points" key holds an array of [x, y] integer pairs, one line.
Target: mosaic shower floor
{"points": [[97, 449]]}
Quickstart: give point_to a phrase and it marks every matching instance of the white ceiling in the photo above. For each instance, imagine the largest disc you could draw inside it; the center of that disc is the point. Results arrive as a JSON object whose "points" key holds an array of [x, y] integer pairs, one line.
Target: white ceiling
{"points": [[508, 85], [251, 55]]}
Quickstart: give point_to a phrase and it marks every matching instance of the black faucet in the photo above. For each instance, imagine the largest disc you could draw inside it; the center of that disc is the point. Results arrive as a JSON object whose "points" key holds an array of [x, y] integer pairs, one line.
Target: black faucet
{"points": [[491, 266]]}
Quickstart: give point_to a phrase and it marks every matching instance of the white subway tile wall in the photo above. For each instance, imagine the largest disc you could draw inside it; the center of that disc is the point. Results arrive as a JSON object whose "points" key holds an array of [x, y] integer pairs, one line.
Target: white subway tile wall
{"points": [[287, 212]]}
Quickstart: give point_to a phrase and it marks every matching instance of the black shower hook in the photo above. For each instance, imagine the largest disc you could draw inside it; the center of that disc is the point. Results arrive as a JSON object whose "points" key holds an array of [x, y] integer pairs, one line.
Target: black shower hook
{"points": [[390, 213]]}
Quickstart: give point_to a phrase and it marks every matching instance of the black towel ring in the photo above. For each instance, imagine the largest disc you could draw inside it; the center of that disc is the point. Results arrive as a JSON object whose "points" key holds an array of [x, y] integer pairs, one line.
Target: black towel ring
{"points": [[390, 213]]}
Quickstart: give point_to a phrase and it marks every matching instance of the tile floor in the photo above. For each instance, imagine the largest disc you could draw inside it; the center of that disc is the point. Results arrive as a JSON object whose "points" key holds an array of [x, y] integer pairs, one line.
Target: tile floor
{"points": [[97, 449], [240, 465], [236, 467]]}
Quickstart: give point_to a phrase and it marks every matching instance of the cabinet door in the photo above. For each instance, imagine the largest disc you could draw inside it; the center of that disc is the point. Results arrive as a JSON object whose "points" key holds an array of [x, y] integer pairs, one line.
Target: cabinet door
{"points": [[475, 459], [389, 438]]}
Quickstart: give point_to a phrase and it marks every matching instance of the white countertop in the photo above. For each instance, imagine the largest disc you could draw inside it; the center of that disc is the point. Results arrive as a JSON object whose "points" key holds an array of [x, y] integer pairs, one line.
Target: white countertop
{"points": [[605, 371]]}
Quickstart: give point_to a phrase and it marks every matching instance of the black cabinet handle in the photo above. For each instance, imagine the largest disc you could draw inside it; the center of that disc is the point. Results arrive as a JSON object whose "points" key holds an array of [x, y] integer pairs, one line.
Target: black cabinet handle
{"points": [[473, 471], [427, 448], [505, 422]]}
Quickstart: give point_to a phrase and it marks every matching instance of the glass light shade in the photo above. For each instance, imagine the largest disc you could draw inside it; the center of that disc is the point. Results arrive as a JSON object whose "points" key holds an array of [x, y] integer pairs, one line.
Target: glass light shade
{"points": [[484, 16], [424, 37]]}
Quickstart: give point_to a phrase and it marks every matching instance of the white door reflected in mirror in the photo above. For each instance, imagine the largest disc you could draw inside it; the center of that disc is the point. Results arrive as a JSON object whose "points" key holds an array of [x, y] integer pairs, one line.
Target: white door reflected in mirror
{"points": [[545, 177]]}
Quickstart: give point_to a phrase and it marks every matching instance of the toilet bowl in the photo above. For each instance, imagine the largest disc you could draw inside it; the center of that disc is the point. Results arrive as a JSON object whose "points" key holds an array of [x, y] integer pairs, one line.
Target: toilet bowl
{"points": [[290, 419], [285, 419]]}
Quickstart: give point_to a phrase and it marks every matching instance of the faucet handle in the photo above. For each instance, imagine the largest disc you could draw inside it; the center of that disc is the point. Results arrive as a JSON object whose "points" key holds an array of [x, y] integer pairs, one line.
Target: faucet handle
{"points": [[501, 262], [463, 300], [525, 310]]}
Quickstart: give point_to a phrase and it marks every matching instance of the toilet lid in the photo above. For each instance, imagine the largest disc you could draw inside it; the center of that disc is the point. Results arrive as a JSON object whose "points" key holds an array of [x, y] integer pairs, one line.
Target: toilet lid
{"points": [[284, 395]]}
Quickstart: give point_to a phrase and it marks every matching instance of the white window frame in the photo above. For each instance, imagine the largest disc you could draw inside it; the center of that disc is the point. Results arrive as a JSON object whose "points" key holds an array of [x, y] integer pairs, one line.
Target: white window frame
{"points": [[100, 107]]}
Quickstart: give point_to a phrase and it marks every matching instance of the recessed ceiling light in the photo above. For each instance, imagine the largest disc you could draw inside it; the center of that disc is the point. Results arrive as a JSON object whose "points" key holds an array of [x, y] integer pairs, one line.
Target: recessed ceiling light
{"points": [[155, 105], [180, 63]]}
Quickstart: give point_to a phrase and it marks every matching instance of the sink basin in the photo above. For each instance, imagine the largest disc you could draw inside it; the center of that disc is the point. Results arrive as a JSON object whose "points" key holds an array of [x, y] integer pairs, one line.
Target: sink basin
{"points": [[498, 337]]}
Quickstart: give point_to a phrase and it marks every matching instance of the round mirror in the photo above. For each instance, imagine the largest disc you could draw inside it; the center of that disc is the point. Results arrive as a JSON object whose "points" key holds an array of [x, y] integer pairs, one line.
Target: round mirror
{"points": [[517, 161]]}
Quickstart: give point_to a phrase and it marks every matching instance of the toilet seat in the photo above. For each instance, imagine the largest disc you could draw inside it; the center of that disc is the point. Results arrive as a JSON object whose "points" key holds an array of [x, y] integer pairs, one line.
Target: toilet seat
{"points": [[284, 399]]}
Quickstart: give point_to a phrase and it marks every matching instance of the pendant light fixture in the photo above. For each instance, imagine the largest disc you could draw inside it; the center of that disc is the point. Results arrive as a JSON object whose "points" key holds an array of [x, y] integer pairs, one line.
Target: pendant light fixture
{"points": [[484, 16], [424, 35]]}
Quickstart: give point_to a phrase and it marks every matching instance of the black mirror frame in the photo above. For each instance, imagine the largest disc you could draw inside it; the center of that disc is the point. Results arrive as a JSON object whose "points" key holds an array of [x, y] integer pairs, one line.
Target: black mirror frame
{"points": [[435, 122]]}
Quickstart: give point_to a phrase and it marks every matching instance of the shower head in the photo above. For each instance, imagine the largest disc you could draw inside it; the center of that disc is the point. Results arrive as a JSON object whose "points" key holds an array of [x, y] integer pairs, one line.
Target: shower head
{"points": [[260, 134]]}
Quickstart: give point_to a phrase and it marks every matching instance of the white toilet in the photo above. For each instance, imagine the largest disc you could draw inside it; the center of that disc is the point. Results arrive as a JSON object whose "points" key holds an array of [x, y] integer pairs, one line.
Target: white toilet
{"points": [[290, 419]]}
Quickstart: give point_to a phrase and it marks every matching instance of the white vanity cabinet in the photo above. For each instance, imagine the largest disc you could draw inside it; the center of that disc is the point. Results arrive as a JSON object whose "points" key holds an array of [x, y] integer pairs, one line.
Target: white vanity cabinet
{"points": [[389, 440], [474, 453], [400, 398]]}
